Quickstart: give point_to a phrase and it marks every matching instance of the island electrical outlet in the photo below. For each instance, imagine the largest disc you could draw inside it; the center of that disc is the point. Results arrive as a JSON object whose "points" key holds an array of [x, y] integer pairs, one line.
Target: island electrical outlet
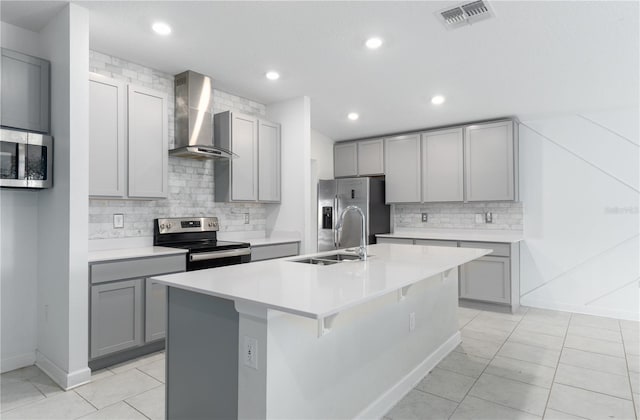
{"points": [[251, 352]]}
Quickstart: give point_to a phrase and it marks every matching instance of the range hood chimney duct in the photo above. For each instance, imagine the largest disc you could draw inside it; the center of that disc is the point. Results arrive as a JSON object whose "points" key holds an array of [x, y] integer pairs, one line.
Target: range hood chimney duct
{"points": [[194, 119]]}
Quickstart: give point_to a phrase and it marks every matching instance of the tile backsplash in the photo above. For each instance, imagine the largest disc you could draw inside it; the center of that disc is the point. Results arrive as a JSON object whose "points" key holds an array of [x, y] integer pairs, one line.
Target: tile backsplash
{"points": [[191, 183], [506, 215]]}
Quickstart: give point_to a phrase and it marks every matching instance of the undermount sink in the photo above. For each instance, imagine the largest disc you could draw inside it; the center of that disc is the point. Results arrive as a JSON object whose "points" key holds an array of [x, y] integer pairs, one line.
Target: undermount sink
{"points": [[329, 259]]}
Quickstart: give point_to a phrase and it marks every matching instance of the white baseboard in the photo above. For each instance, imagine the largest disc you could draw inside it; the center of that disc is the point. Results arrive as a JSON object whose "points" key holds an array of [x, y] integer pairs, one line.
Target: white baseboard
{"points": [[17, 362], [66, 380], [384, 403], [580, 309]]}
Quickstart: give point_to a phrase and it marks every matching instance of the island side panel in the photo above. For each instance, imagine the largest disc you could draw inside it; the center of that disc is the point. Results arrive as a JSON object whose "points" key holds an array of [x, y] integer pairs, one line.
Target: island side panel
{"points": [[202, 357], [368, 361]]}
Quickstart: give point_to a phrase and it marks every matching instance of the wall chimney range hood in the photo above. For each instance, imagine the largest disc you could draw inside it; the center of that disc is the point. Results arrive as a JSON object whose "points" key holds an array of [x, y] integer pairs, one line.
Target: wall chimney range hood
{"points": [[194, 119]]}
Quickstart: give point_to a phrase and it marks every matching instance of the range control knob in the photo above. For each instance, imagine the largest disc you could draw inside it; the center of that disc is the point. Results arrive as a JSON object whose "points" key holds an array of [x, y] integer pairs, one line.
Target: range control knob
{"points": [[168, 225], [210, 224], [162, 226]]}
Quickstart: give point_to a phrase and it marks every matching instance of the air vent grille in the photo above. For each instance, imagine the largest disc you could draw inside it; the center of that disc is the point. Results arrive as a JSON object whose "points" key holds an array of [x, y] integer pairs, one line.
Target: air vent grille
{"points": [[465, 14]]}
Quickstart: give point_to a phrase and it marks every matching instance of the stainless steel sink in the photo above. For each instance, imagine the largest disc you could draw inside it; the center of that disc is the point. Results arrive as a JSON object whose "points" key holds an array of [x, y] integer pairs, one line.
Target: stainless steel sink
{"points": [[340, 257], [328, 259]]}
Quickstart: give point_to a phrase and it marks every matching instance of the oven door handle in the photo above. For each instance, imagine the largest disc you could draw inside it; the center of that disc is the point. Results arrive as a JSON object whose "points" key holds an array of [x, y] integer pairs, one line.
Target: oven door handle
{"points": [[202, 256]]}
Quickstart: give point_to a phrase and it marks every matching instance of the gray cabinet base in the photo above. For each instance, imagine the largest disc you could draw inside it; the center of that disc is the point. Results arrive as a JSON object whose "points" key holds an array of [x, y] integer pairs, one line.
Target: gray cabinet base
{"points": [[123, 356]]}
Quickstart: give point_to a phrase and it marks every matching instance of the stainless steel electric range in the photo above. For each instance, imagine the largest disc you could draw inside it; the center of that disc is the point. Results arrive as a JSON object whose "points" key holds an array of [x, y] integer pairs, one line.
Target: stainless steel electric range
{"points": [[199, 235]]}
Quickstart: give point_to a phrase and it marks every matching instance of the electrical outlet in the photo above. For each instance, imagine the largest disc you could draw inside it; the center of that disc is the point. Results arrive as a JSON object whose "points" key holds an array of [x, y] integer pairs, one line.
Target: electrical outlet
{"points": [[412, 321], [118, 221], [246, 218], [479, 218], [251, 352], [488, 217], [425, 217]]}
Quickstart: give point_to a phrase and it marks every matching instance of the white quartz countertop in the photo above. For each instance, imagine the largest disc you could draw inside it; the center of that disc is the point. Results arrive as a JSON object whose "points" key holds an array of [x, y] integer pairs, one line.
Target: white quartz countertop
{"points": [[316, 291], [504, 236], [272, 240], [128, 253]]}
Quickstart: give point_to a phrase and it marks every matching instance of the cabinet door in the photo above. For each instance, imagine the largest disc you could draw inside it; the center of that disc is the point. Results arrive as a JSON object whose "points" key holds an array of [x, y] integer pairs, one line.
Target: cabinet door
{"points": [[155, 311], [345, 160], [486, 279], [148, 143], [371, 157], [442, 166], [402, 160], [489, 162], [107, 130], [244, 143], [116, 316], [402, 241], [268, 161], [25, 92]]}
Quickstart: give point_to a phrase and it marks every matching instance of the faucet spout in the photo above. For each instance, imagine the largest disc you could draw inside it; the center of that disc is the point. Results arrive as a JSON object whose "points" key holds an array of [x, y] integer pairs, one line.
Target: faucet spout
{"points": [[362, 250]]}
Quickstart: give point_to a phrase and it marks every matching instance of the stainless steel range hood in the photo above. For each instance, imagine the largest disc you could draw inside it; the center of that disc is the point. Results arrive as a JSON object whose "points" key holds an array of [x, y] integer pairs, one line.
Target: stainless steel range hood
{"points": [[194, 119]]}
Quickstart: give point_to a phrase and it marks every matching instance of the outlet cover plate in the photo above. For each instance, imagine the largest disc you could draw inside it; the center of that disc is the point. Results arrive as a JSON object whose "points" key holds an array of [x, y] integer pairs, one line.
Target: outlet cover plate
{"points": [[425, 217], [250, 358], [118, 221]]}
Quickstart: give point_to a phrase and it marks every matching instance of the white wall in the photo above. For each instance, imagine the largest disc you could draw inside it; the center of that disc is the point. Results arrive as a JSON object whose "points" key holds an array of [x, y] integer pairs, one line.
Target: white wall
{"points": [[18, 247], [322, 153], [63, 210], [294, 212], [579, 182]]}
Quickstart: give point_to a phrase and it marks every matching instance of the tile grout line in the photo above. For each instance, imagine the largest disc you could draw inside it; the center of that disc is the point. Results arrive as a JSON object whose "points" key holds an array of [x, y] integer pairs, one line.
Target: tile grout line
{"points": [[89, 402], [136, 409], [626, 361], [555, 372]]}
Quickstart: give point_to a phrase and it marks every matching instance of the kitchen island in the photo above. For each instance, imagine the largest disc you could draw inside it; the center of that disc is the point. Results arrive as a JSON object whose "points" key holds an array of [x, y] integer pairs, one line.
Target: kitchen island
{"points": [[287, 339]]}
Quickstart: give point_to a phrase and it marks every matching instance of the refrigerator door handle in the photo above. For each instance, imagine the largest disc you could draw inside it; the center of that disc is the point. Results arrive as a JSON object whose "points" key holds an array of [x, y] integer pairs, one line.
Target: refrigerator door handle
{"points": [[336, 240]]}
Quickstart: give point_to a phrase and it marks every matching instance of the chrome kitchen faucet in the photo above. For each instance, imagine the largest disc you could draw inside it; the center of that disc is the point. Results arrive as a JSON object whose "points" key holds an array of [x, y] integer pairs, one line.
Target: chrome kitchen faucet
{"points": [[362, 250]]}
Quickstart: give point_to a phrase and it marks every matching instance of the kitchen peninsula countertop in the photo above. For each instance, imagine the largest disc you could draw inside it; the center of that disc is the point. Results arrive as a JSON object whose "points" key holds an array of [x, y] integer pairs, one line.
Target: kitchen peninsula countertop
{"points": [[129, 253], [503, 236], [316, 291]]}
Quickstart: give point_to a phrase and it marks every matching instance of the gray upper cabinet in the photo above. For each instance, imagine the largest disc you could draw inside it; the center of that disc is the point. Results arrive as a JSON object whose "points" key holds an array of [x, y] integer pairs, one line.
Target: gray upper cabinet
{"points": [[25, 92], [402, 160], [148, 143], [345, 160], [371, 157], [489, 162], [268, 161], [442, 166], [107, 137], [244, 143]]}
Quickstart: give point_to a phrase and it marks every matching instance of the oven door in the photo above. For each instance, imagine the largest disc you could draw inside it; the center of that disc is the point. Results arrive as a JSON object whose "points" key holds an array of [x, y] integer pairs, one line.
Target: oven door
{"points": [[212, 259], [25, 159]]}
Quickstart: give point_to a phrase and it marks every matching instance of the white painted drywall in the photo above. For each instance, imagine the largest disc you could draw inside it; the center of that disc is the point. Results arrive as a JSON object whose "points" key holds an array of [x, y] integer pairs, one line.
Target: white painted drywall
{"points": [[18, 247], [579, 182], [322, 152], [294, 212], [63, 210]]}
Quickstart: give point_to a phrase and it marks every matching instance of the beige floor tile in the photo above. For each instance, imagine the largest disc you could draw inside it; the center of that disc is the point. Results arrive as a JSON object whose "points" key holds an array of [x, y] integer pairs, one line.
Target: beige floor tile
{"points": [[531, 354], [633, 363], [481, 348], [464, 364], [45, 384], [595, 321], [136, 363], [119, 411], [446, 384], [593, 345], [595, 361], [473, 408], [551, 414], [22, 373], [155, 369], [503, 315], [514, 394], [522, 371], [467, 312], [588, 404], [421, 406], [486, 334], [491, 324], [597, 333], [66, 405], [118, 387], [99, 374], [150, 403], [634, 377], [541, 328], [547, 316], [593, 380], [632, 346], [538, 340], [16, 393], [636, 401]]}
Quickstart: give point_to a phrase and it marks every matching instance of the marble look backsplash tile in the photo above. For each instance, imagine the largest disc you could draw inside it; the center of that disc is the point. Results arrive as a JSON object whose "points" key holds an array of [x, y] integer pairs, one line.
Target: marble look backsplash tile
{"points": [[506, 215]]}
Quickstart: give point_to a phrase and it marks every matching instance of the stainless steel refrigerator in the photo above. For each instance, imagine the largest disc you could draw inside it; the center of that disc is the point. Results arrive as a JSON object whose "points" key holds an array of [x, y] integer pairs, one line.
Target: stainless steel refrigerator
{"points": [[335, 195]]}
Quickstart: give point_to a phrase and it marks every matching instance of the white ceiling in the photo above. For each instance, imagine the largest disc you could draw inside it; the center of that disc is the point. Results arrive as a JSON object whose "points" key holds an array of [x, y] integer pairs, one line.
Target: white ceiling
{"points": [[533, 58]]}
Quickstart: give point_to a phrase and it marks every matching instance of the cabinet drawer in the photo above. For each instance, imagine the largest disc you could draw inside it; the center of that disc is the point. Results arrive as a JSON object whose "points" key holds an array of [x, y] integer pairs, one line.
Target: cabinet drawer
{"points": [[499, 250], [145, 267], [268, 252], [434, 242], [395, 241]]}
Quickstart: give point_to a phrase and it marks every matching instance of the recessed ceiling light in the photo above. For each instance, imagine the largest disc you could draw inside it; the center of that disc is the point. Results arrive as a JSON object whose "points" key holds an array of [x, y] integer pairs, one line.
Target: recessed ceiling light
{"points": [[272, 75], [437, 100], [161, 28], [353, 116], [373, 43]]}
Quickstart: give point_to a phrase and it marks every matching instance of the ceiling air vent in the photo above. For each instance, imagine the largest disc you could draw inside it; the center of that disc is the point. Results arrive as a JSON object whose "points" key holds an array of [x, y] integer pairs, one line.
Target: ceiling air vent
{"points": [[465, 14]]}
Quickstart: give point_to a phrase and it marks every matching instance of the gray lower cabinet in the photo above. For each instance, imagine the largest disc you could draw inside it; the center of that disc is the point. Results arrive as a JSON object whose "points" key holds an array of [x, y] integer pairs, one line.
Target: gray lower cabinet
{"points": [[116, 316], [486, 279], [25, 92], [155, 311]]}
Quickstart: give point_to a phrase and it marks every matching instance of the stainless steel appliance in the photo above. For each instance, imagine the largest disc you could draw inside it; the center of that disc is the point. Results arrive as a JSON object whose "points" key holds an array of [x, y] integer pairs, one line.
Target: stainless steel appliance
{"points": [[25, 159], [199, 236], [194, 119], [336, 195]]}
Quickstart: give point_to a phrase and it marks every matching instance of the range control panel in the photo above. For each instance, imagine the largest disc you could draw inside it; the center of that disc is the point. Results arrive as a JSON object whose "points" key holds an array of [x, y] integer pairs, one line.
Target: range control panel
{"points": [[187, 224]]}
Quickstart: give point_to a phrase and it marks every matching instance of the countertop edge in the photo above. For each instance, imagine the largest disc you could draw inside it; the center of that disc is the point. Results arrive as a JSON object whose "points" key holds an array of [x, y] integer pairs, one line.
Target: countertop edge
{"points": [[133, 253], [456, 236]]}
